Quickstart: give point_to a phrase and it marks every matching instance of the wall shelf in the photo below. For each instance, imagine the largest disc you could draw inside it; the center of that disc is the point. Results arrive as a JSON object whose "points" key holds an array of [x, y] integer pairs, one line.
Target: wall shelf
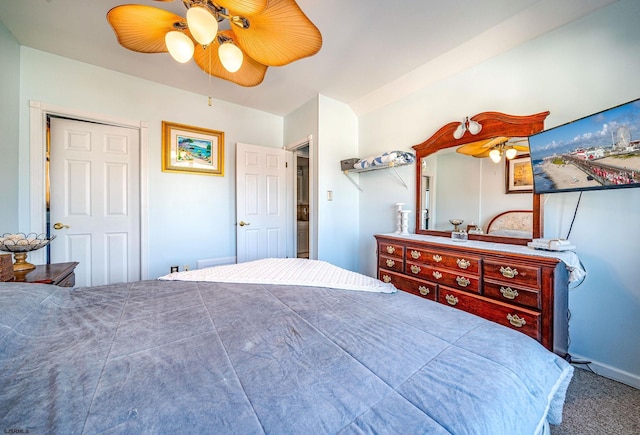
{"points": [[391, 165]]}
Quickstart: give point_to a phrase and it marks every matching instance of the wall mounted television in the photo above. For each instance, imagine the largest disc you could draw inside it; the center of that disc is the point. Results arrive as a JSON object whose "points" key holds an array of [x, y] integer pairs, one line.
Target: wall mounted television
{"points": [[599, 151]]}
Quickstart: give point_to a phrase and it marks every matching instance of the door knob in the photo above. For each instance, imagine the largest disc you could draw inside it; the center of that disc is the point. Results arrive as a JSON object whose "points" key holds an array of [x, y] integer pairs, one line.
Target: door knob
{"points": [[243, 223], [59, 226]]}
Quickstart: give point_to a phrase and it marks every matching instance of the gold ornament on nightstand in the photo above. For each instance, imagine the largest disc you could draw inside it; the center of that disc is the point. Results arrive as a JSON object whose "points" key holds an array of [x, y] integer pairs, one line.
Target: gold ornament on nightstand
{"points": [[20, 244]]}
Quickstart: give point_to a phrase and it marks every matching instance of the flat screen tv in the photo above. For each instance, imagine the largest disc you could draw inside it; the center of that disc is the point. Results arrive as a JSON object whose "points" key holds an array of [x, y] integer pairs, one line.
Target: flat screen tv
{"points": [[599, 151]]}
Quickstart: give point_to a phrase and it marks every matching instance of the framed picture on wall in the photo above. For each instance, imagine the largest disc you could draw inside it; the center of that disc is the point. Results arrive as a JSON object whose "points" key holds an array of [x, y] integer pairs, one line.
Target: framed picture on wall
{"points": [[519, 174], [192, 150]]}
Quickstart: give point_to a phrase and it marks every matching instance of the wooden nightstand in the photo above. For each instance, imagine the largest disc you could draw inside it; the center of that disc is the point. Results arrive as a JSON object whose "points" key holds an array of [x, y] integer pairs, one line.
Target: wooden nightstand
{"points": [[60, 274]]}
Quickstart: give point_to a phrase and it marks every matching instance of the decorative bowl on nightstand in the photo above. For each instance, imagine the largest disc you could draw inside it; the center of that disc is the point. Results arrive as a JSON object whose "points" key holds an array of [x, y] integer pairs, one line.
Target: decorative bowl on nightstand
{"points": [[20, 244]]}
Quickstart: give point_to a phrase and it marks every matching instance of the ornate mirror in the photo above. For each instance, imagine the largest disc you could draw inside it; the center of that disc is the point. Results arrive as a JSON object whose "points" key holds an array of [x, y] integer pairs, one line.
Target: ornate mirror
{"points": [[462, 144]]}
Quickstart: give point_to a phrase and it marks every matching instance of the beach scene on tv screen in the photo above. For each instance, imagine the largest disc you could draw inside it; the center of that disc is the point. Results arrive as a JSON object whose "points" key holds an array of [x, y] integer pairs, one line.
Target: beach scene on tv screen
{"points": [[595, 152]]}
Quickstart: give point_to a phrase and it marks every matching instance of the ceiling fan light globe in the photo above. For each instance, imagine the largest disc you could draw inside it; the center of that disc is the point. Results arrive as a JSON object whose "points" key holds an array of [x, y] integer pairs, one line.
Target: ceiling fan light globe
{"points": [[180, 46], [510, 153], [230, 56], [474, 127], [202, 24], [494, 154]]}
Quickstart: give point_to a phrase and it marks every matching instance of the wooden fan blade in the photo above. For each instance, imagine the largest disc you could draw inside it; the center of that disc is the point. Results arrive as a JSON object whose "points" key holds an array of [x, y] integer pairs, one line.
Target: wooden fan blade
{"points": [[243, 7], [520, 147], [482, 154], [251, 73], [142, 28], [480, 146], [279, 35]]}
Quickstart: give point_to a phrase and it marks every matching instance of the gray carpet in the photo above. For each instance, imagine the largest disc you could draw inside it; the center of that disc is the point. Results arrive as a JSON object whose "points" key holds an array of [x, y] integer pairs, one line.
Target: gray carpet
{"points": [[599, 406]]}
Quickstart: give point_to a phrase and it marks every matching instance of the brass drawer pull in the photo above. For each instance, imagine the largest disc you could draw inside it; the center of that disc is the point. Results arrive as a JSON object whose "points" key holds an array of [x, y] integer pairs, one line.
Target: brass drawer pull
{"points": [[415, 254], [451, 299], [415, 269], [386, 278], [463, 264], [436, 274], [509, 293], [437, 258], [508, 272], [423, 290], [462, 281], [390, 263], [391, 249], [516, 321]]}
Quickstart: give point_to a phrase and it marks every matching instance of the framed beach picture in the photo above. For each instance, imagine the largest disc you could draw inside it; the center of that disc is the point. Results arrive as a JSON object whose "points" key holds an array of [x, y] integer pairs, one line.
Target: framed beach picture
{"points": [[192, 150], [519, 175]]}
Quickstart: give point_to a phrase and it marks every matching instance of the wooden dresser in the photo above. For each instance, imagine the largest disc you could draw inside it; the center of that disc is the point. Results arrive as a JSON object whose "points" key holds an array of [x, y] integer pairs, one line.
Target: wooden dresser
{"points": [[528, 293]]}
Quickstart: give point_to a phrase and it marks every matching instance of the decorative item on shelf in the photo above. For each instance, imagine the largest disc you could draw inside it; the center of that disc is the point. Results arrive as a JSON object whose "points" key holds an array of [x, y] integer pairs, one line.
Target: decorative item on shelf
{"points": [[20, 244], [456, 223]]}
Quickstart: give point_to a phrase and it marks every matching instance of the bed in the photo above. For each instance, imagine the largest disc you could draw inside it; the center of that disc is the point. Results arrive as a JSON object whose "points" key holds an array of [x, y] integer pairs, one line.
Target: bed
{"points": [[512, 223], [331, 352]]}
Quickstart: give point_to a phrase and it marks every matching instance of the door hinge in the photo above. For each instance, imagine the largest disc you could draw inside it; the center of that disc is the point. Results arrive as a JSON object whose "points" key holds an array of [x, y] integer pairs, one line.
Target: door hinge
{"points": [[286, 164]]}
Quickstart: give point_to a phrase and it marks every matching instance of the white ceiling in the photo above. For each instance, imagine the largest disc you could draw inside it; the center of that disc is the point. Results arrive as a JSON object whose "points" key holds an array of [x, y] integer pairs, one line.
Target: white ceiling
{"points": [[373, 51]]}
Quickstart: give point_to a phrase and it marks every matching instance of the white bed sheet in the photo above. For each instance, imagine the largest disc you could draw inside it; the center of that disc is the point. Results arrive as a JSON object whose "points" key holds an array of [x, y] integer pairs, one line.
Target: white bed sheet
{"points": [[286, 271]]}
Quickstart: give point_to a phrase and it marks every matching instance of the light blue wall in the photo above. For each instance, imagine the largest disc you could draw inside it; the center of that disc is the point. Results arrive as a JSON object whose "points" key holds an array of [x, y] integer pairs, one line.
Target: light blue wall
{"points": [[9, 128], [575, 71], [191, 217], [338, 218], [334, 128]]}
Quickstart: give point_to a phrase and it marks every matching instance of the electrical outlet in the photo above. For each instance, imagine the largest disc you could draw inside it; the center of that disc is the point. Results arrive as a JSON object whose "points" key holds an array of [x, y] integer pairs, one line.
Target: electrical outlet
{"points": [[186, 267]]}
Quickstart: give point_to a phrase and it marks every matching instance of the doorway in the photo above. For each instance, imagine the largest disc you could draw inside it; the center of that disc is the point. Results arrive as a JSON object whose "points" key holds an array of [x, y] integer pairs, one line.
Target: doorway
{"points": [[303, 198], [302, 202]]}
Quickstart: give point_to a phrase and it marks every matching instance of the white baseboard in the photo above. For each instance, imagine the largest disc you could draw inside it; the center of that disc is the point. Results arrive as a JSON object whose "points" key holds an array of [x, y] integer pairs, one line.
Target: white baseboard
{"points": [[610, 372], [201, 264]]}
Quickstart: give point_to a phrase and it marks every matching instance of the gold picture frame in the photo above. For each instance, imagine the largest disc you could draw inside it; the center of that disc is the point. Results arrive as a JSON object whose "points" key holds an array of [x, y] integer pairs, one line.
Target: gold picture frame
{"points": [[192, 150], [519, 174]]}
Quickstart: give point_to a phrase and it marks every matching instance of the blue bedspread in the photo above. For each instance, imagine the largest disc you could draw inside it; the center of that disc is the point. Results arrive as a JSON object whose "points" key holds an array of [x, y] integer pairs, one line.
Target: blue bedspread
{"points": [[214, 358]]}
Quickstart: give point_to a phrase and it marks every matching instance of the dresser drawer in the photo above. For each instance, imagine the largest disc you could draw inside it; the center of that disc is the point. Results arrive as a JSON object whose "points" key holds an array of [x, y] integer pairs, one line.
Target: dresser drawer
{"points": [[512, 294], [468, 263], [523, 320], [512, 273], [391, 250], [462, 281], [402, 282], [391, 263]]}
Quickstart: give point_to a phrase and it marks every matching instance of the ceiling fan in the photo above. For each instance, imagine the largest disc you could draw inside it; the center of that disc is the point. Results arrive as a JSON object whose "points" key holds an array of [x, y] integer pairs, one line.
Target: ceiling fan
{"points": [[235, 40], [494, 148]]}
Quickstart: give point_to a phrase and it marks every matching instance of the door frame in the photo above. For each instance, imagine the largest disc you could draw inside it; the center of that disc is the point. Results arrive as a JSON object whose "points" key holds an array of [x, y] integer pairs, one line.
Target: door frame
{"points": [[313, 195], [38, 113]]}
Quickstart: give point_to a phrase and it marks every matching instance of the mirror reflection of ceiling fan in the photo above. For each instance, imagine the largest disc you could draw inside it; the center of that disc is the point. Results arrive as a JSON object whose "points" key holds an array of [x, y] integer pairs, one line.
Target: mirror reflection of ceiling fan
{"points": [[235, 40], [495, 148]]}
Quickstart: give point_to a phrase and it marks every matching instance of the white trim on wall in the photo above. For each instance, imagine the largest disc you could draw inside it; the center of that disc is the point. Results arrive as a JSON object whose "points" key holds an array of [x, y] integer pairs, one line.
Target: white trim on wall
{"points": [[38, 113]]}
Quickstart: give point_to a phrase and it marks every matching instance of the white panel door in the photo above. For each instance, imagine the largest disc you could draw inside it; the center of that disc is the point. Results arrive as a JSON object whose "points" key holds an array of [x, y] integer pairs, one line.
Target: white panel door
{"points": [[95, 199], [261, 202]]}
